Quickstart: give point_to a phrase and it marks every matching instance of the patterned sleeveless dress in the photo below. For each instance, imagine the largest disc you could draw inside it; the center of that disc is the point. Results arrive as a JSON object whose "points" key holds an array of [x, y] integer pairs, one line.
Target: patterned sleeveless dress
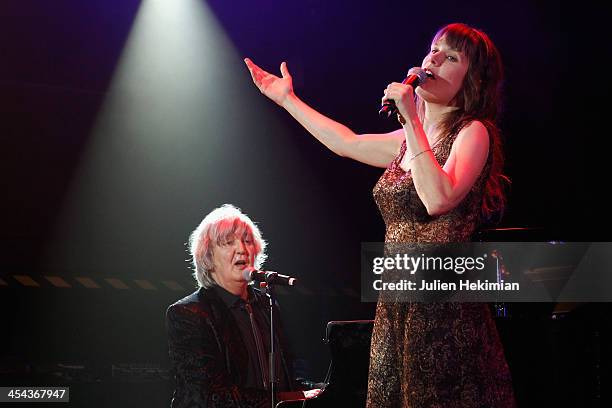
{"points": [[428, 355]]}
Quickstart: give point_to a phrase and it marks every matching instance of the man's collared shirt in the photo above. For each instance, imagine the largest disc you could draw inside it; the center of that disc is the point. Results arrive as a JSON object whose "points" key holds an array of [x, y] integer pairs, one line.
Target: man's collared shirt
{"points": [[260, 308]]}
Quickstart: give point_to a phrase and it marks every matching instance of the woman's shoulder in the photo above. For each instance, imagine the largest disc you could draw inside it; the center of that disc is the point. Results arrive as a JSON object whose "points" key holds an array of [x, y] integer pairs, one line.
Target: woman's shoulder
{"points": [[475, 126], [473, 132]]}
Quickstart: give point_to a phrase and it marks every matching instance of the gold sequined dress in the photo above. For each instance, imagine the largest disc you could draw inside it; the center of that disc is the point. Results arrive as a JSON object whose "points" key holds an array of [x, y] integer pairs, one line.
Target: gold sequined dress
{"points": [[428, 355]]}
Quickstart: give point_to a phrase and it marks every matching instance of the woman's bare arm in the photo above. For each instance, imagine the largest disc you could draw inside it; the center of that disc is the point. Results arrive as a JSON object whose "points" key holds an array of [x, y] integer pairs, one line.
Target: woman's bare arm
{"points": [[374, 149]]}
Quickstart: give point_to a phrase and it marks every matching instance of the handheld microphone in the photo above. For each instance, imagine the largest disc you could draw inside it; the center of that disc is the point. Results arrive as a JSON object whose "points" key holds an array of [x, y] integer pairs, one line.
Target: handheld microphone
{"points": [[270, 277], [416, 77]]}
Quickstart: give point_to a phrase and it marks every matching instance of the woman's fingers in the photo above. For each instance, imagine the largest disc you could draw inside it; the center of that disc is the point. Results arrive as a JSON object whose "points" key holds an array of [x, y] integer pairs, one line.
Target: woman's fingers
{"points": [[284, 70], [386, 94], [252, 68], [257, 73], [397, 91]]}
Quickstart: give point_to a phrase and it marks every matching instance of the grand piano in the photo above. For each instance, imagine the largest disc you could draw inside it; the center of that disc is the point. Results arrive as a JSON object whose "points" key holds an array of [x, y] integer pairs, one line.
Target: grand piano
{"points": [[347, 378]]}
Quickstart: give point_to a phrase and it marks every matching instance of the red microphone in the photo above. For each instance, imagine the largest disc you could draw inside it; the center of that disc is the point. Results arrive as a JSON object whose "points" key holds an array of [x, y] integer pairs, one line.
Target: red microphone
{"points": [[416, 77]]}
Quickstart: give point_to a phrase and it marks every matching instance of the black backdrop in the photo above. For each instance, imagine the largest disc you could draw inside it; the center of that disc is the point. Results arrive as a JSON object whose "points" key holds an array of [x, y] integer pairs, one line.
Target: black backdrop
{"points": [[70, 213]]}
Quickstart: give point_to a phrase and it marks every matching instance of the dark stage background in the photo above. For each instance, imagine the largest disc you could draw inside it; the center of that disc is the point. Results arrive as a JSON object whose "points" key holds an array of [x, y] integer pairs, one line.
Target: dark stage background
{"points": [[123, 124]]}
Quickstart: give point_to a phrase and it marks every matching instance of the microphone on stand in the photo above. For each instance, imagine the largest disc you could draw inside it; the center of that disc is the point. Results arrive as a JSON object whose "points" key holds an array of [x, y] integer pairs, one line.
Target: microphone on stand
{"points": [[270, 277], [416, 77]]}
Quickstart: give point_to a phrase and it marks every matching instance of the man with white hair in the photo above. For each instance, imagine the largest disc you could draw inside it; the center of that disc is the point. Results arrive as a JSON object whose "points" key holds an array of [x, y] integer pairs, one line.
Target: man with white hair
{"points": [[219, 336]]}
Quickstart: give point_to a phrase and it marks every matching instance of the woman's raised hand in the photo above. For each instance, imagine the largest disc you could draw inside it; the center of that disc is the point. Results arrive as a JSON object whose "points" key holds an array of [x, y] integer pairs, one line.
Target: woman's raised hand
{"points": [[270, 85]]}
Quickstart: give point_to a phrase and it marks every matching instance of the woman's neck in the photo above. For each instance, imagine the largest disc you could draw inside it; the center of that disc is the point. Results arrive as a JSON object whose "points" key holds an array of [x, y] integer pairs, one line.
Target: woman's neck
{"points": [[434, 114]]}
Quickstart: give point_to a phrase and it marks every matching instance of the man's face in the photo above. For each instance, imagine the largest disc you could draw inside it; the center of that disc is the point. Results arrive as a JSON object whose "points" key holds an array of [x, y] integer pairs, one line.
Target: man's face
{"points": [[231, 256]]}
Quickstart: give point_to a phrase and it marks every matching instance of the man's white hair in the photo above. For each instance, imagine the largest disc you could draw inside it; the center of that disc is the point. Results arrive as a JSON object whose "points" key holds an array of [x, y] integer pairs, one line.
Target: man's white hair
{"points": [[215, 228]]}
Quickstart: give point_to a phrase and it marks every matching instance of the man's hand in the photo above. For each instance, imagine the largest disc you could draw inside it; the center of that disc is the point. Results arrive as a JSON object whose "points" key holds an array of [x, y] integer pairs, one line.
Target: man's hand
{"points": [[309, 394], [299, 395]]}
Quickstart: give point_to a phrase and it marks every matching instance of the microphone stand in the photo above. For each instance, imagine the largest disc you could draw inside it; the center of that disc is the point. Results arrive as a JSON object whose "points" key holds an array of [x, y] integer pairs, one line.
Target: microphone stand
{"points": [[269, 291]]}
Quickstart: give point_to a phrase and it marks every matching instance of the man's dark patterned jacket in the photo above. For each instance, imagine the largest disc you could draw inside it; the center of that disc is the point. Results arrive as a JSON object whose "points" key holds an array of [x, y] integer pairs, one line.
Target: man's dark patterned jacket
{"points": [[208, 354]]}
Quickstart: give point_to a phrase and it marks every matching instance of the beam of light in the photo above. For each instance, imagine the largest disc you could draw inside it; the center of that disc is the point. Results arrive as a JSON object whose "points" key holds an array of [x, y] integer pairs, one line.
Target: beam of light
{"points": [[156, 132], [182, 130]]}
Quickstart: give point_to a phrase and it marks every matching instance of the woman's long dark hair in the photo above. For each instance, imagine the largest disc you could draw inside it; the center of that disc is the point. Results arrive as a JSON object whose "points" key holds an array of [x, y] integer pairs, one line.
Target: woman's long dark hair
{"points": [[478, 99]]}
